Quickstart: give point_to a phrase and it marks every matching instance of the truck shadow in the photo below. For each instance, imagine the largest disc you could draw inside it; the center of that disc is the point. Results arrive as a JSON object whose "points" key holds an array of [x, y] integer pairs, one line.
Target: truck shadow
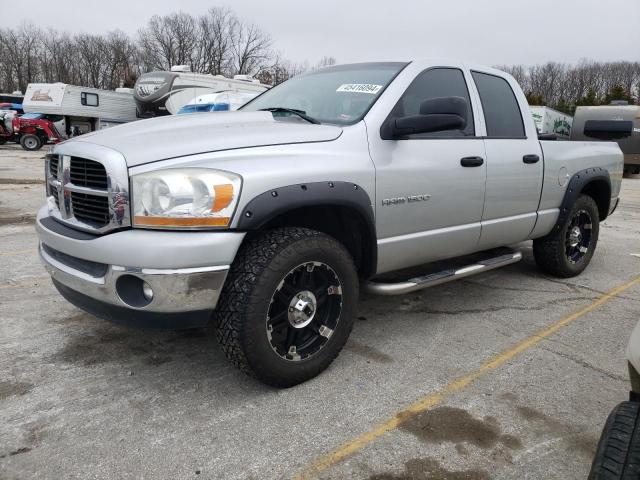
{"points": [[195, 355]]}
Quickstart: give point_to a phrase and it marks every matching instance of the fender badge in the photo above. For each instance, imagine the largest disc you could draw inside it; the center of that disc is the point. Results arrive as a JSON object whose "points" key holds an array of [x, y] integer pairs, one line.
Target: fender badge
{"points": [[409, 199]]}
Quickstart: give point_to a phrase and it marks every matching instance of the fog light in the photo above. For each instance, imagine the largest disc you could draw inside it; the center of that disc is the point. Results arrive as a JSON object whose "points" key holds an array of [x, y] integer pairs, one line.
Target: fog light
{"points": [[133, 291], [147, 291]]}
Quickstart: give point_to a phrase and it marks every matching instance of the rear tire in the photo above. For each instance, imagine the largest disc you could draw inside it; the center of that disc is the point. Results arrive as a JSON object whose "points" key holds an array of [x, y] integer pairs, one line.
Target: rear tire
{"points": [[566, 251], [31, 143], [618, 453], [287, 306]]}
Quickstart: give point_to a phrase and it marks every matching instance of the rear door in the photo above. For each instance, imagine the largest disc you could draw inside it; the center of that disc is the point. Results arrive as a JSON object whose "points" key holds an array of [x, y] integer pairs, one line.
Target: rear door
{"points": [[514, 162]]}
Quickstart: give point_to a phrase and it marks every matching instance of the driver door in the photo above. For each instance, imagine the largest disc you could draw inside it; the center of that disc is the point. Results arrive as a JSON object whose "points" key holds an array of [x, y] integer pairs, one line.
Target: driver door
{"points": [[429, 187]]}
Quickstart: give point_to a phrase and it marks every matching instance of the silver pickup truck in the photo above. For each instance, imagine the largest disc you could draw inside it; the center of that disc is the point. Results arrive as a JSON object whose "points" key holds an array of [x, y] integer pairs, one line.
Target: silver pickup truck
{"points": [[268, 221]]}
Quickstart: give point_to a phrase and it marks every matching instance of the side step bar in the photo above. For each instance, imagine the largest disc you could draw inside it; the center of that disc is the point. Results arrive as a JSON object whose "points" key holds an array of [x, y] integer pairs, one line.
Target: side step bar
{"points": [[445, 276]]}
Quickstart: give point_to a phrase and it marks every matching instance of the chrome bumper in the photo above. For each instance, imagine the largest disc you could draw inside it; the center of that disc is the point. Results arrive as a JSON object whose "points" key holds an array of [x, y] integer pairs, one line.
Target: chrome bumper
{"points": [[174, 290]]}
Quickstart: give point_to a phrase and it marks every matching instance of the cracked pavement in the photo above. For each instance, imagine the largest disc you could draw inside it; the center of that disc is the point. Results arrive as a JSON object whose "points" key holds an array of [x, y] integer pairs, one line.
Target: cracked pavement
{"points": [[81, 398]]}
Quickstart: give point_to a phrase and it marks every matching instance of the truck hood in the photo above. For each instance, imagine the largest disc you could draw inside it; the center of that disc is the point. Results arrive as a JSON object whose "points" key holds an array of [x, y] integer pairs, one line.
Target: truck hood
{"points": [[161, 138]]}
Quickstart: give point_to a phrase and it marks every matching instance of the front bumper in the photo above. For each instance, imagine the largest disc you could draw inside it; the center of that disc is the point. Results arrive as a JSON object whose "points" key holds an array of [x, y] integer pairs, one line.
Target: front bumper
{"points": [[105, 275], [174, 290]]}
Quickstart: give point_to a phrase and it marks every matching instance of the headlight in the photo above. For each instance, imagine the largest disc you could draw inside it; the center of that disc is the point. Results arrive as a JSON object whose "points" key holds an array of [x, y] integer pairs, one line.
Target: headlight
{"points": [[184, 198]]}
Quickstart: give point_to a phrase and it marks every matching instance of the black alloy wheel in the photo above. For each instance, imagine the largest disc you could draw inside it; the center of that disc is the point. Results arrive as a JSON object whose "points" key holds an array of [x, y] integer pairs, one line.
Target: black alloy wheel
{"points": [[578, 236], [304, 311]]}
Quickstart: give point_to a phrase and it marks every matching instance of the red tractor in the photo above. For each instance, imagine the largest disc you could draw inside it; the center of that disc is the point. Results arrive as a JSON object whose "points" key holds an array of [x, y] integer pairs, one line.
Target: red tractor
{"points": [[6, 126], [33, 130]]}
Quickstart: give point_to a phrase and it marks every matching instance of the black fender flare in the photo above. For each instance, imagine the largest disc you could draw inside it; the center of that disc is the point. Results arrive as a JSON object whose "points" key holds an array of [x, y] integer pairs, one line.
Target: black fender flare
{"points": [[575, 187], [278, 201]]}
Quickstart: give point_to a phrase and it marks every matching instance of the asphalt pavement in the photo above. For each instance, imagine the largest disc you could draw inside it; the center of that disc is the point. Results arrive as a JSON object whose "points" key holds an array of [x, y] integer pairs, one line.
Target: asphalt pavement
{"points": [[509, 374]]}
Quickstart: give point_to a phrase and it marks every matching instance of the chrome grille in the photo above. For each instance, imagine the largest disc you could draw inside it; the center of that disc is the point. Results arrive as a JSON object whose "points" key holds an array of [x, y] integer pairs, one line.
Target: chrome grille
{"points": [[91, 209], [88, 187], [87, 173], [53, 166], [56, 197]]}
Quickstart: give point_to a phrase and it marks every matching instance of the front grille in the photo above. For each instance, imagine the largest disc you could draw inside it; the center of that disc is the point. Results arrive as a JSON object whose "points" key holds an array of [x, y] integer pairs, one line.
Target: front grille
{"points": [[94, 269], [56, 197], [87, 173], [90, 195], [91, 209], [53, 166]]}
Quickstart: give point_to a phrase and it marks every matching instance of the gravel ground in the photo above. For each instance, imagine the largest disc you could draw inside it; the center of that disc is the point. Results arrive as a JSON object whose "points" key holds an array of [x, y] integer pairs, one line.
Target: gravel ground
{"points": [[81, 398]]}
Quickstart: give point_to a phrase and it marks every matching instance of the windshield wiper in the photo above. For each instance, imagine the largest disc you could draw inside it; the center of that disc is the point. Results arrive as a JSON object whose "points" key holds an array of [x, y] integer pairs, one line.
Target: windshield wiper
{"points": [[301, 113]]}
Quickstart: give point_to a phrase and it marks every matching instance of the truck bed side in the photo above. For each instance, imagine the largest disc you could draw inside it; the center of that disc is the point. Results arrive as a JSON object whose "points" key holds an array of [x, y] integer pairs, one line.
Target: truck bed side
{"points": [[562, 160]]}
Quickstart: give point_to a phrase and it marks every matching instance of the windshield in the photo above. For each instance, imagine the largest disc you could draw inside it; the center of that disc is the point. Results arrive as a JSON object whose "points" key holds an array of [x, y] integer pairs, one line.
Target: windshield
{"points": [[339, 95]]}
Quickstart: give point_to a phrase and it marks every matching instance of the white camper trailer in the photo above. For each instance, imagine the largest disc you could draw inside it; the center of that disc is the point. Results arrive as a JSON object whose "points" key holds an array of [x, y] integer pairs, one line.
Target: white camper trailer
{"points": [[552, 122], [88, 109], [164, 93]]}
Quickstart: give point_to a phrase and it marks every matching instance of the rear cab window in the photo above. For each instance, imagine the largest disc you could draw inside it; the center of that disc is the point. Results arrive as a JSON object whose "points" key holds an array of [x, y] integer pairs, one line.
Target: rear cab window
{"points": [[502, 114]]}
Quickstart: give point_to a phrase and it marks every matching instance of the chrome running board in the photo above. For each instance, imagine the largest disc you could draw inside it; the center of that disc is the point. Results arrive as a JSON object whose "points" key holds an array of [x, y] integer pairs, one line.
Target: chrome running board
{"points": [[445, 276]]}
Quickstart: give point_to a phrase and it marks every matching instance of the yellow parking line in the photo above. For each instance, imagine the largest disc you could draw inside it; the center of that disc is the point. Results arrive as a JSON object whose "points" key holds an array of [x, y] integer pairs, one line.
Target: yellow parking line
{"points": [[456, 385]]}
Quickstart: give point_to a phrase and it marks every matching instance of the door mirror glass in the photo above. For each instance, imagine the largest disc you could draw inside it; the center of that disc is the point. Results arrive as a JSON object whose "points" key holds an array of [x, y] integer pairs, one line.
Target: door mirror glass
{"points": [[436, 115]]}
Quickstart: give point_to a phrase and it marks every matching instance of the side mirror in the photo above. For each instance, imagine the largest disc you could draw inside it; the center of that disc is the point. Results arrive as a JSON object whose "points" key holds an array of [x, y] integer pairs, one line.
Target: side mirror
{"points": [[608, 129], [436, 115]]}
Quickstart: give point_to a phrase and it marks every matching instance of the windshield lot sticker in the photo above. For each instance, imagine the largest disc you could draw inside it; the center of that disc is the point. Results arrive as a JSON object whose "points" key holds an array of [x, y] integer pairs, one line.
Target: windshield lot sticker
{"points": [[359, 88]]}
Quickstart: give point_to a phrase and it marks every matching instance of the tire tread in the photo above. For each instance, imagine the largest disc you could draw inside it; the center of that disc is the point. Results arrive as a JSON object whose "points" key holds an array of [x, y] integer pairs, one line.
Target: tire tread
{"points": [[237, 299], [618, 453]]}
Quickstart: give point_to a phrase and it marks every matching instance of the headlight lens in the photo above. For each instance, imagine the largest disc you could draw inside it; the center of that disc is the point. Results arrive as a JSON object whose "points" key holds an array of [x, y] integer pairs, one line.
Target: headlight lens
{"points": [[184, 198]]}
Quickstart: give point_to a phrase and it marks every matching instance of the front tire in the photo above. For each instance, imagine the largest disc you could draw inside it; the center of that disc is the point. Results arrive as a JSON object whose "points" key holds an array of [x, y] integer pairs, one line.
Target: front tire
{"points": [[31, 143], [566, 251], [618, 453], [287, 306]]}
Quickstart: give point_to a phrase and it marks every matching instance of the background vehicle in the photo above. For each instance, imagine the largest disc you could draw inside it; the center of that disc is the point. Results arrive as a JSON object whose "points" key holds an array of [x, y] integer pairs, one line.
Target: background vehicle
{"points": [[6, 125], [217, 102], [15, 97], [14, 107], [33, 130], [164, 93], [317, 187], [618, 453], [89, 109], [549, 121], [619, 115]]}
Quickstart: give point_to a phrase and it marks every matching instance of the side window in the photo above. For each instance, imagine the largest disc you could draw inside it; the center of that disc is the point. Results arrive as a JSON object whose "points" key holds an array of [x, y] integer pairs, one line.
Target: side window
{"points": [[89, 99], [435, 83], [501, 111]]}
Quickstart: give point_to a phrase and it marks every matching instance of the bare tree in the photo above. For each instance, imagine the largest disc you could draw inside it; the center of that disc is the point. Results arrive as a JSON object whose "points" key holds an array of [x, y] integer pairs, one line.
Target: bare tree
{"points": [[168, 41], [213, 51], [250, 46]]}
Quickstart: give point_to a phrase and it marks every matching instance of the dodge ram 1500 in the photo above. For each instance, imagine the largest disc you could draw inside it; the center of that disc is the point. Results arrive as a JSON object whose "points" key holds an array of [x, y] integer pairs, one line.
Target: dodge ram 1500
{"points": [[267, 221]]}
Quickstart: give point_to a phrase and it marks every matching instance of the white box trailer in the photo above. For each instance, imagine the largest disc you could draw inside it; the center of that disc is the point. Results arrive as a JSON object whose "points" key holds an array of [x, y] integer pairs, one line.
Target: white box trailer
{"points": [[88, 109], [550, 121]]}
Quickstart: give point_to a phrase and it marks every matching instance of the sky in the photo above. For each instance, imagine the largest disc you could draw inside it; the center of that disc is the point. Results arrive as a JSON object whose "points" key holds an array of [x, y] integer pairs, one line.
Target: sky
{"points": [[492, 32]]}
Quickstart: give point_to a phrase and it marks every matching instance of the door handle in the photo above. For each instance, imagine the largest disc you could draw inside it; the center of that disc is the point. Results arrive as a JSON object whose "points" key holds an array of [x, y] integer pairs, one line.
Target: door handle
{"points": [[471, 161], [531, 159]]}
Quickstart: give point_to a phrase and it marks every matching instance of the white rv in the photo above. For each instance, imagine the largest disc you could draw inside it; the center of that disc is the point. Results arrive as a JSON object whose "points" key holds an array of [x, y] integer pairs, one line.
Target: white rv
{"points": [[83, 109], [164, 93], [552, 122]]}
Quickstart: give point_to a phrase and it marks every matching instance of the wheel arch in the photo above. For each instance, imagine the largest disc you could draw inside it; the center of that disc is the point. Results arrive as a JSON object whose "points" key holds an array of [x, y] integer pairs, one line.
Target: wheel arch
{"points": [[342, 210], [594, 182]]}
